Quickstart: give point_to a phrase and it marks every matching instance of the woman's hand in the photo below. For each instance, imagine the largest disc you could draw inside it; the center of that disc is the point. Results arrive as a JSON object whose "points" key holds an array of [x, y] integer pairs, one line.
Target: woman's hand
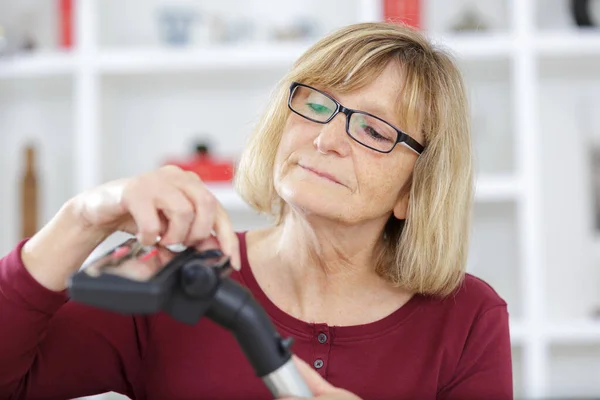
{"points": [[320, 388], [168, 203]]}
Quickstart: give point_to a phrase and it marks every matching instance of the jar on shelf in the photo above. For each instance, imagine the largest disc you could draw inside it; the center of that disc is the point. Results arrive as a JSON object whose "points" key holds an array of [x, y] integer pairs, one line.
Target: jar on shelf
{"points": [[206, 165]]}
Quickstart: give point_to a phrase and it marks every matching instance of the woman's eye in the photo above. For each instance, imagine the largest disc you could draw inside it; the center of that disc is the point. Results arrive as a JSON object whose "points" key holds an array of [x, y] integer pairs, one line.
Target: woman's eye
{"points": [[374, 134], [318, 108]]}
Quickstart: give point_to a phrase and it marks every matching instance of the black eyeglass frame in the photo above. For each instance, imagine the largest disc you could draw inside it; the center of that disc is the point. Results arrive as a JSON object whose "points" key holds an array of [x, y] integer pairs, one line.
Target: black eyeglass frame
{"points": [[400, 138]]}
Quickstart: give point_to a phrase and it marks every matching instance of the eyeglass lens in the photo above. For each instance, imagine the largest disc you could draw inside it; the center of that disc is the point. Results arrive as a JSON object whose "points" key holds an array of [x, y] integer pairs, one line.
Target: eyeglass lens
{"points": [[368, 130]]}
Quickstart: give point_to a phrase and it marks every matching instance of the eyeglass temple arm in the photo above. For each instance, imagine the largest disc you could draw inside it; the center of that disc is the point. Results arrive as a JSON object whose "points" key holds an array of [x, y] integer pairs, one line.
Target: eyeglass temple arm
{"points": [[410, 142]]}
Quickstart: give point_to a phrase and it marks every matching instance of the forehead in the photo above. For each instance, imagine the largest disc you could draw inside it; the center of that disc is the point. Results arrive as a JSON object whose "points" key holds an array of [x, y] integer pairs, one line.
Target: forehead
{"points": [[381, 96], [386, 85]]}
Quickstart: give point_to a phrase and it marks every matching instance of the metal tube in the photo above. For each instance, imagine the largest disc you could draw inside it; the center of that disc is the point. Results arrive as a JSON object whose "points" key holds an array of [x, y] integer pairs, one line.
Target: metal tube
{"points": [[287, 381]]}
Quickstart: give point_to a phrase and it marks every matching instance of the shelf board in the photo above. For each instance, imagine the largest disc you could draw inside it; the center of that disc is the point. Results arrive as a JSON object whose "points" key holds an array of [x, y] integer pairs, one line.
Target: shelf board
{"points": [[491, 188], [574, 332], [234, 57], [228, 197], [242, 57], [477, 46], [36, 65], [569, 43], [263, 56], [469, 46]]}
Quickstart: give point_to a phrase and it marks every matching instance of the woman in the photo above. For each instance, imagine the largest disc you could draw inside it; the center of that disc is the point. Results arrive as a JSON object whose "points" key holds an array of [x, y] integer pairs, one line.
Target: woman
{"points": [[363, 156]]}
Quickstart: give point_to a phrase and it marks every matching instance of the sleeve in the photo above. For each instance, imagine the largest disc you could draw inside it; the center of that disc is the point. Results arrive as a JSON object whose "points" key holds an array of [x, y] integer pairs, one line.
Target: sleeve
{"points": [[51, 348], [485, 367]]}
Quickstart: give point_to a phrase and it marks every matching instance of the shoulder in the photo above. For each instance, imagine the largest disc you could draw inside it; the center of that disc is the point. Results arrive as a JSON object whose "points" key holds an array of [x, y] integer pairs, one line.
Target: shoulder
{"points": [[477, 342], [474, 289], [471, 300]]}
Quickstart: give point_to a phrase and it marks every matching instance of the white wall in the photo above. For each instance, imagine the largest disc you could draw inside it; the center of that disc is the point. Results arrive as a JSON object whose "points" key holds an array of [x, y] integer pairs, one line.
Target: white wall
{"points": [[570, 123], [39, 112], [146, 118], [118, 29]]}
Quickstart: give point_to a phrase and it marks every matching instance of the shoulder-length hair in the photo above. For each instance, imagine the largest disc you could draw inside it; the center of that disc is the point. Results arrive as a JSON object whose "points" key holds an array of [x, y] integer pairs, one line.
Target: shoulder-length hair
{"points": [[427, 252]]}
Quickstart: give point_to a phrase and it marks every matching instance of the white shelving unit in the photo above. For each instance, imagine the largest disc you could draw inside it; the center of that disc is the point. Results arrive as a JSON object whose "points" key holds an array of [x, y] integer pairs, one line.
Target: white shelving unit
{"points": [[585, 43], [230, 58], [38, 65], [90, 69]]}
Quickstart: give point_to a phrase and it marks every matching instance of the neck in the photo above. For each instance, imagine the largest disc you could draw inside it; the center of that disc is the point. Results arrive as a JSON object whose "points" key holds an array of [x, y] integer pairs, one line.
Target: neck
{"points": [[320, 270], [326, 253], [317, 271]]}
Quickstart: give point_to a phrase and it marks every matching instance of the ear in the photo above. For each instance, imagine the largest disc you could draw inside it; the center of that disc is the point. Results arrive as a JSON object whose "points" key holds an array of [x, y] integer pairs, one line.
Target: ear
{"points": [[401, 208]]}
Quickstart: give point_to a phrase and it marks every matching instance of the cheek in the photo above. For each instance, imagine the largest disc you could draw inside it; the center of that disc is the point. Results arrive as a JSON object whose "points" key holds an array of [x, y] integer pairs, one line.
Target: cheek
{"points": [[296, 136], [383, 181], [288, 145], [299, 134]]}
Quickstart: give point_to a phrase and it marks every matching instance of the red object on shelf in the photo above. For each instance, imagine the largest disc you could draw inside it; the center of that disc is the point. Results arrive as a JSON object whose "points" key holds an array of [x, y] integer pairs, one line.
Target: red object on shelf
{"points": [[65, 23], [404, 11], [208, 168]]}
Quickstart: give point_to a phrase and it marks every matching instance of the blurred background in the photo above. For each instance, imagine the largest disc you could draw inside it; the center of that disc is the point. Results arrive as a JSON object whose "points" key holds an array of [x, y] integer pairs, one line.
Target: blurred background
{"points": [[95, 90]]}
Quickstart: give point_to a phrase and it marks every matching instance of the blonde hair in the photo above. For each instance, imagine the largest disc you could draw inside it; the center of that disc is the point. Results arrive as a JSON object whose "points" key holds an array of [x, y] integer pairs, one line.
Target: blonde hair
{"points": [[427, 252]]}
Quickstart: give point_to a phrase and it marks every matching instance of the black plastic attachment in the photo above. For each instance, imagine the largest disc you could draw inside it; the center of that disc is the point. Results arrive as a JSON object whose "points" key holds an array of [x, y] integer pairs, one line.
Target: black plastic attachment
{"points": [[189, 286]]}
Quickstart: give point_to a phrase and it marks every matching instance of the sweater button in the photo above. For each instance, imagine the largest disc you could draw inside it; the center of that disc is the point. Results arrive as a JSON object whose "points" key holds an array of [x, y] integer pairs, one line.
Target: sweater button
{"points": [[322, 338], [318, 363]]}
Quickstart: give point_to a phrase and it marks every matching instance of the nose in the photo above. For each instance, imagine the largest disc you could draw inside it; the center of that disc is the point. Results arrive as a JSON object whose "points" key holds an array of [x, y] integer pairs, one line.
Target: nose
{"points": [[332, 137]]}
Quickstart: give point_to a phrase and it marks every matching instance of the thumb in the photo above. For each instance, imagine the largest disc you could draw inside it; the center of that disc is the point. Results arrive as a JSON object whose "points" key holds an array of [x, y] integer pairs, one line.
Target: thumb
{"points": [[315, 382], [210, 243]]}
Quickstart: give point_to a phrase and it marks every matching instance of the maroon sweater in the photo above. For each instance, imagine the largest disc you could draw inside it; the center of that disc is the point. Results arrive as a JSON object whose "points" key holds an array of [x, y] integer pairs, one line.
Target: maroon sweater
{"points": [[51, 348]]}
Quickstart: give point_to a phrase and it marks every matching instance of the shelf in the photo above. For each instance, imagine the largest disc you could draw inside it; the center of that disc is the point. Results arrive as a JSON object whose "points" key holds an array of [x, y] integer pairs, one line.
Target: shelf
{"points": [[228, 198], [574, 332], [243, 57], [496, 188], [576, 43], [36, 65], [238, 57], [281, 55]]}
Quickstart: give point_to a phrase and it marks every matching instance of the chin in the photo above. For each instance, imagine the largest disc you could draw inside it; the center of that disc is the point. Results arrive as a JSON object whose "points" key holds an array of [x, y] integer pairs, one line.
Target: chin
{"points": [[313, 199]]}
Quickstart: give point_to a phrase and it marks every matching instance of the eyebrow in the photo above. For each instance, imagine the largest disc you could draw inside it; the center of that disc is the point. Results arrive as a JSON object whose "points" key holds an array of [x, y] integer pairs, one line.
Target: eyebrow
{"points": [[371, 108], [379, 112]]}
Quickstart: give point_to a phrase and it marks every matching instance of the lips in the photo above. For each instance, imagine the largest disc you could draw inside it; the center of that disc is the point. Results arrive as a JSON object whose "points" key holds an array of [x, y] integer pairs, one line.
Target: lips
{"points": [[321, 174]]}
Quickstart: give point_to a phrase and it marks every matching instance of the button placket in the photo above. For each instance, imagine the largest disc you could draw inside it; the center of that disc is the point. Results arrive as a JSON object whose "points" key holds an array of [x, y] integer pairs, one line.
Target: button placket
{"points": [[322, 338], [321, 348]]}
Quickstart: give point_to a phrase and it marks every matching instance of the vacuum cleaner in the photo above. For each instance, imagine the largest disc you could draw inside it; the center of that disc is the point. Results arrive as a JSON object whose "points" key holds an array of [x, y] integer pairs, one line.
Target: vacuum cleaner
{"points": [[134, 279]]}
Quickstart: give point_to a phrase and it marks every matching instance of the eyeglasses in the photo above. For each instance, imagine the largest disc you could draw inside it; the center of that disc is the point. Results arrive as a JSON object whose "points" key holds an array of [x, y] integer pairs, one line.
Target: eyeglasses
{"points": [[364, 128]]}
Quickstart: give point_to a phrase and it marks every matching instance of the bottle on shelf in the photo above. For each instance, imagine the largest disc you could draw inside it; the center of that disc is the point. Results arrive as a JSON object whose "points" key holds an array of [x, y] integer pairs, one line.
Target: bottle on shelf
{"points": [[65, 24], [29, 194], [403, 11]]}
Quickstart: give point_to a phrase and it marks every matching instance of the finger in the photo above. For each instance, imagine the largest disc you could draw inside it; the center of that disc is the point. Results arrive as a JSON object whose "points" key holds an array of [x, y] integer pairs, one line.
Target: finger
{"points": [[205, 206], [210, 243], [211, 216], [146, 219], [179, 212], [315, 382], [227, 238]]}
